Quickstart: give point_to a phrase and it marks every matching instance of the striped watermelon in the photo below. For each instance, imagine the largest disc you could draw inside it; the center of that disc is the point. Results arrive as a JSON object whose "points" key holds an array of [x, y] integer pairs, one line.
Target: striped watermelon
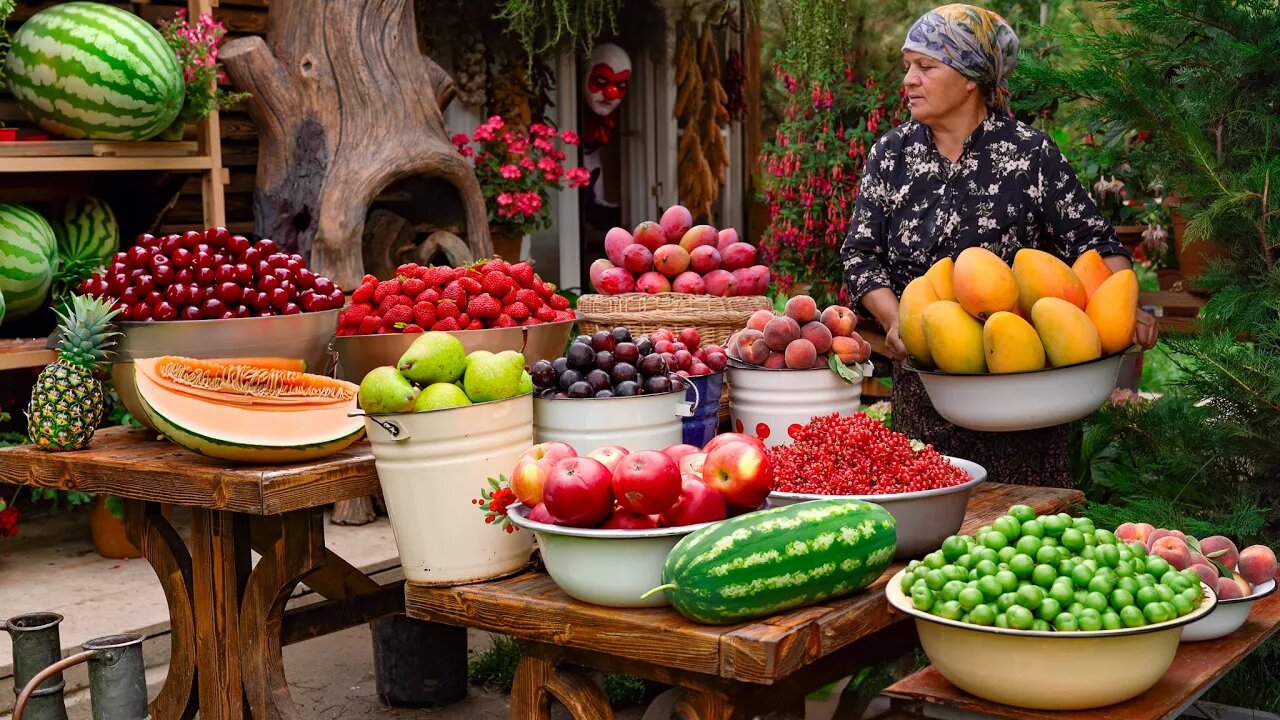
{"points": [[86, 70], [765, 562], [1, 308], [86, 231], [27, 257]]}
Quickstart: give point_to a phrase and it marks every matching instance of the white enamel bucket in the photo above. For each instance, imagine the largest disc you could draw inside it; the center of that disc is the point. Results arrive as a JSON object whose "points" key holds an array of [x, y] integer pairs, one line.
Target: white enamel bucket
{"points": [[767, 403], [640, 422]]}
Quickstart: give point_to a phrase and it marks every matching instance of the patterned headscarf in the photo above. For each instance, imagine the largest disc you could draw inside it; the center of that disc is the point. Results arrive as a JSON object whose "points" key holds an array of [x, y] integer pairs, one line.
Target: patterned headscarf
{"points": [[974, 42]]}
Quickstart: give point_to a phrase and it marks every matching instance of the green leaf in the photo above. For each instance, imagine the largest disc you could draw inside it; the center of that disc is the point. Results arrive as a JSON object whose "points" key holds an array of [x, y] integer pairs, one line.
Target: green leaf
{"points": [[1218, 554], [1223, 570], [844, 371]]}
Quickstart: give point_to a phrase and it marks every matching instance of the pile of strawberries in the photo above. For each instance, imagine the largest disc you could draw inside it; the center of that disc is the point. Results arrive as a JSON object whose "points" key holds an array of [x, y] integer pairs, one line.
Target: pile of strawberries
{"points": [[489, 294]]}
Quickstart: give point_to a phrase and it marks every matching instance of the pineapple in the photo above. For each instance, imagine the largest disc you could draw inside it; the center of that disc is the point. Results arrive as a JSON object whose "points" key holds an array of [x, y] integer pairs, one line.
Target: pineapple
{"points": [[67, 402]]}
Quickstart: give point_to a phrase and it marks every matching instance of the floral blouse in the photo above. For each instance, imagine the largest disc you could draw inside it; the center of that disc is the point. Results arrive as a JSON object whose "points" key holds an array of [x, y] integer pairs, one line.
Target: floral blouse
{"points": [[1011, 189]]}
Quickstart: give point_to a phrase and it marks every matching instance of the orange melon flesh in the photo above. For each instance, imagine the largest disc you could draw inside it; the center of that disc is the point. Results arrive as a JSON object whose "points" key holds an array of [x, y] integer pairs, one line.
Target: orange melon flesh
{"points": [[220, 382], [277, 363]]}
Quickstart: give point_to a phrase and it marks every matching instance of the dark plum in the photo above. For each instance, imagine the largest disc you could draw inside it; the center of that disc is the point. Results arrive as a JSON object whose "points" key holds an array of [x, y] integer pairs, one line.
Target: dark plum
{"points": [[583, 340], [623, 372], [627, 388], [569, 377], [543, 374], [580, 389], [678, 383], [626, 352], [560, 365], [603, 340], [621, 334], [645, 345], [604, 393], [605, 360], [653, 365], [599, 380], [581, 356], [658, 384]]}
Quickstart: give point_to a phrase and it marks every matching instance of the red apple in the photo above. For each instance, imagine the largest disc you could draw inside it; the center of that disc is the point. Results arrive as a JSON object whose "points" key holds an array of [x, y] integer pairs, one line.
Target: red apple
{"points": [[626, 520], [539, 513], [697, 503], [532, 468], [646, 482], [578, 492], [609, 456], [678, 452], [740, 471], [726, 438], [693, 463]]}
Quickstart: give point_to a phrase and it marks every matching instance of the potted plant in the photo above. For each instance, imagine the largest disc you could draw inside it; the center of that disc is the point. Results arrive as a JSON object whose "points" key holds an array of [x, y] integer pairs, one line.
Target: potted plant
{"points": [[517, 169], [196, 46]]}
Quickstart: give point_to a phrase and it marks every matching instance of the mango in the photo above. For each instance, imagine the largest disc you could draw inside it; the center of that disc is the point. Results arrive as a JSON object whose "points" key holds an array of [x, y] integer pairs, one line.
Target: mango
{"points": [[940, 276], [1092, 270], [954, 338], [917, 296], [1066, 332], [1041, 274], [1011, 344], [983, 283], [1114, 311]]}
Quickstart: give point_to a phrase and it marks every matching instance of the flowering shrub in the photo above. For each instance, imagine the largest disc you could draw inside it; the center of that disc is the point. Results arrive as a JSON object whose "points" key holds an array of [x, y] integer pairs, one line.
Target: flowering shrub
{"points": [[197, 49], [517, 169], [811, 170]]}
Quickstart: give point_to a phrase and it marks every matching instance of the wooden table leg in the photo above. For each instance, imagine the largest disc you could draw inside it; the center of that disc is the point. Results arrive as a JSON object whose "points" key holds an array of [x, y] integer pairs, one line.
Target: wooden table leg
{"points": [[220, 563], [163, 548], [700, 705], [296, 548], [540, 677]]}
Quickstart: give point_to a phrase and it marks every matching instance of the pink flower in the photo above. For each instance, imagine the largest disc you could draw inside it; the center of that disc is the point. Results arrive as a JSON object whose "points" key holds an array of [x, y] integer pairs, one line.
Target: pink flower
{"points": [[484, 133], [495, 122], [578, 177], [466, 151], [541, 130], [505, 199], [518, 146], [510, 172], [543, 144], [546, 164], [569, 137], [527, 163], [460, 139], [528, 203]]}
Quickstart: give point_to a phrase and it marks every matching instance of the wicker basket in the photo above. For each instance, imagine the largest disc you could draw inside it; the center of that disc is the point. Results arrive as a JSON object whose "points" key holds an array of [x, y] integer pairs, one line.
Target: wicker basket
{"points": [[715, 318]]}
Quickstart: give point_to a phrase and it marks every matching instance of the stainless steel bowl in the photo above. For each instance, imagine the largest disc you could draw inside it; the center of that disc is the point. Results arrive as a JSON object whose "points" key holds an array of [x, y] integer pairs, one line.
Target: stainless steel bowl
{"points": [[308, 336], [358, 354], [924, 519]]}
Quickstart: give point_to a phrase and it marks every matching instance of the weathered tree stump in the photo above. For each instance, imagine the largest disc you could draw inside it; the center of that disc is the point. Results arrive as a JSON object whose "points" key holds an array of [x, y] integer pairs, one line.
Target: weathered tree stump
{"points": [[345, 103]]}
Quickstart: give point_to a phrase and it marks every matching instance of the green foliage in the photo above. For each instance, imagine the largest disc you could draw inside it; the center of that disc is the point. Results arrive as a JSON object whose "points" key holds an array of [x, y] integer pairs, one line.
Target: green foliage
{"points": [[6, 9], [495, 667], [624, 690], [70, 499], [545, 25]]}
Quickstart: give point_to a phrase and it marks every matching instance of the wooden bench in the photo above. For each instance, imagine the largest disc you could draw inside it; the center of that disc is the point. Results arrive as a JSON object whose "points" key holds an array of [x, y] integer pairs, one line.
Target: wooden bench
{"points": [[1195, 669], [726, 672]]}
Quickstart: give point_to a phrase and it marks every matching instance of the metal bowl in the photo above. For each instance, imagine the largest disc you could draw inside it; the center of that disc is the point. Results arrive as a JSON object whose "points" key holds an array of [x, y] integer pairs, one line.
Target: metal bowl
{"points": [[308, 336], [604, 567], [358, 354], [1227, 617], [1007, 402], [1048, 670], [924, 519]]}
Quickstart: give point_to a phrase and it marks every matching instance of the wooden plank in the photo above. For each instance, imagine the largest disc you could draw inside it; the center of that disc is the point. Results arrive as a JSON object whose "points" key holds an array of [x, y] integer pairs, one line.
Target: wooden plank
{"points": [[1195, 668], [96, 148], [1171, 299], [218, 540], [91, 164], [132, 464], [23, 353], [238, 20], [330, 616]]}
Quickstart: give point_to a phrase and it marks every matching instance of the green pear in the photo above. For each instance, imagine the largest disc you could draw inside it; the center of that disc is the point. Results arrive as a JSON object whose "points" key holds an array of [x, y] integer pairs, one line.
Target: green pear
{"points": [[438, 396], [526, 384], [493, 377], [385, 390], [434, 357]]}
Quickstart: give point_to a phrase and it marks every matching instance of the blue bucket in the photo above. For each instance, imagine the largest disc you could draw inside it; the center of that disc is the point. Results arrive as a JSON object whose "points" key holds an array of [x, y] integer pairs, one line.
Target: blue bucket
{"points": [[700, 427]]}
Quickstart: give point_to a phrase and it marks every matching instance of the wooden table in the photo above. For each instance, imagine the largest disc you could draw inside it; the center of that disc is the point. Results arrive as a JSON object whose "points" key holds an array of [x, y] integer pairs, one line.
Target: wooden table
{"points": [[227, 618], [726, 672]]}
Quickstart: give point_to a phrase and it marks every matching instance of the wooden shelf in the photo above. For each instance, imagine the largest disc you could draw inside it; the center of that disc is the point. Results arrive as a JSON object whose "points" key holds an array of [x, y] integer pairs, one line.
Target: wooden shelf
{"points": [[101, 164], [25, 353]]}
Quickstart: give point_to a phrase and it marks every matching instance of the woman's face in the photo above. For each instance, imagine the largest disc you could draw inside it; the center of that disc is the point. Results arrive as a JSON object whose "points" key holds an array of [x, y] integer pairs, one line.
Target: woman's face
{"points": [[934, 90]]}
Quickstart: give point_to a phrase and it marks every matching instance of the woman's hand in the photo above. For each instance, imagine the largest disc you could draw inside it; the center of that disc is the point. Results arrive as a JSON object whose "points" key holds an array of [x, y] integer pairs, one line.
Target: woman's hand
{"points": [[893, 339], [1147, 331], [883, 305]]}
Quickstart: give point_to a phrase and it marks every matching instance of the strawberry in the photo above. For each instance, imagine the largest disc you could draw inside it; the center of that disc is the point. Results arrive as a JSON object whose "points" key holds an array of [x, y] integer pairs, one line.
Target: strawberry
{"points": [[510, 297], [369, 280], [505, 321], [453, 291], [424, 313], [387, 303], [471, 285], [530, 298], [517, 310], [545, 313], [355, 313], [446, 324], [496, 265], [483, 306], [430, 295], [412, 328], [385, 288], [364, 293], [464, 320], [563, 315], [370, 324], [409, 270], [399, 315], [559, 302], [434, 275], [447, 309], [545, 289], [497, 284], [476, 324], [385, 331], [530, 321], [412, 287], [523, 274]]}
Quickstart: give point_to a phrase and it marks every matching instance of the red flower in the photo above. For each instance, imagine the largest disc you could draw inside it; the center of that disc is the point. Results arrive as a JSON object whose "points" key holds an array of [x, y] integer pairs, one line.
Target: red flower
{"points": [[511, 172], [578, 177], [569, 137], [9, 521], [460, 139]]}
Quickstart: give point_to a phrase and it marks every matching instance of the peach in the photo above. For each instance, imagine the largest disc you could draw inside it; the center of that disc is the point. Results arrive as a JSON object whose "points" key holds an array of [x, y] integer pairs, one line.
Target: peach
{"points": [[699, 236], [802, 309], [1128, 532], [1173, 550], [636, 258], [721, 283], [759, 319], [755, 351], [1221, 549], [1245, 587], [726, 237], [670, 260], [675, 222], [776, 361], [703, 259], [781, 332], [1155, 535], [616, 281], [820, 361], [800, 355], [653, 283], [688, 282], [1227, 589], [840, 320], [597, 269], [1208, 574], [850, 349], [818, 334], [650, 235], [737, 255], [1257, 564], [615, 241]]}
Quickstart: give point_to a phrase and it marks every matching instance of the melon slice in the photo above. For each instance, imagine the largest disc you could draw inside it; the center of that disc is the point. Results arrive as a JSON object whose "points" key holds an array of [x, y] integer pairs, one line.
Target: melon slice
{"points": [[279, 363], [247, 414]]}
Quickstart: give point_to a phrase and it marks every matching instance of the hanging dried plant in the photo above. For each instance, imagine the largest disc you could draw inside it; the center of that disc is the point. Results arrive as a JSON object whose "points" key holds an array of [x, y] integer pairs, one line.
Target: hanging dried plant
{"points": [[472, 70], [713, 114], [735, 80], [545, 25]]}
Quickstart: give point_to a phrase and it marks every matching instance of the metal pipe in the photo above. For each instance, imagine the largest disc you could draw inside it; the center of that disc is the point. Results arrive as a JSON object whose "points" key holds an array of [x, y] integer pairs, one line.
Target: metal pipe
{"points": [[117, 681], [25, 696], [37, 645]]}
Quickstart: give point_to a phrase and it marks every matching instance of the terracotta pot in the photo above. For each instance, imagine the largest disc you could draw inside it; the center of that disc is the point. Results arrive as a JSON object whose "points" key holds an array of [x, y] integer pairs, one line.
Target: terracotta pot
{"points": [[109, 537], [506, 242], [1195, 258]]}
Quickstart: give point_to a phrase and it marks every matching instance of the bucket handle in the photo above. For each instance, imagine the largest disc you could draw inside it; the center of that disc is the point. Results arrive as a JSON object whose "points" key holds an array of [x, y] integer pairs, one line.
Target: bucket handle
{"points": [[393, 428], [24, 697], [684, 409]]}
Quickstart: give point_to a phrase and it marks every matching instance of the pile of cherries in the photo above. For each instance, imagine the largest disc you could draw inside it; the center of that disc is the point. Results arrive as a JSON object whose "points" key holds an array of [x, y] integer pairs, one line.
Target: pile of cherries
{"points": [[209, 275], [606, 364]]}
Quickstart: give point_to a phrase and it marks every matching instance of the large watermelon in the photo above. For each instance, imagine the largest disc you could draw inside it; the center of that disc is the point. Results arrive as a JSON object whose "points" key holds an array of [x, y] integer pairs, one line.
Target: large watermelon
{"points": [[27, 254], [1, 308], [87, 232], [86, 70]]}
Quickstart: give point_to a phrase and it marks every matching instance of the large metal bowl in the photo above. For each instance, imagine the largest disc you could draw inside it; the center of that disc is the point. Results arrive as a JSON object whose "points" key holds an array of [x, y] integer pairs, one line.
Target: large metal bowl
{"points": [[1007, 402], [358, 354], [308, 336], [924, 518], [1048, 670]]}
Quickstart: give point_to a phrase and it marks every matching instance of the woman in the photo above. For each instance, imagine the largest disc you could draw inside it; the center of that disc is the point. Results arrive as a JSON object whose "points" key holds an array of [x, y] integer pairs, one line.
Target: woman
{"points": [[963, 173]]}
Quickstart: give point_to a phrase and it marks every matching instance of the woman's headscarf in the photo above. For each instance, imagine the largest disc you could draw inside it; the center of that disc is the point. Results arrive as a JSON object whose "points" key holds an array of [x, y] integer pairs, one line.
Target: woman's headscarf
{"points": [[974, 42]]}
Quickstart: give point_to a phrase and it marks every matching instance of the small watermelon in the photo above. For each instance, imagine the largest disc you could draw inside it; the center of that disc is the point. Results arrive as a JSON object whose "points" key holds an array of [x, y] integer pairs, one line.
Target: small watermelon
{"points": [[87, 70], [87, 232], [27, 254], [1, 323]]}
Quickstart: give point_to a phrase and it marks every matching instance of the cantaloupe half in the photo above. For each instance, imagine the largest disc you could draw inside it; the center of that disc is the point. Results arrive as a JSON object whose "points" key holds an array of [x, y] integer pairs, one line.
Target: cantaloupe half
{"points": [[247, 413], [279, 363]]}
